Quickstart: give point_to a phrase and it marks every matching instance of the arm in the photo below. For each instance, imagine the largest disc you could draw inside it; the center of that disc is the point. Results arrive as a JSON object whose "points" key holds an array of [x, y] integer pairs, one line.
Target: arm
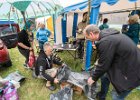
{"points": [[37, 39], [42, 67], [129, 32], [56, 60], [20, 41], [24, 46], [106, 56], [49, 32], [37, 35], [79, 29]]}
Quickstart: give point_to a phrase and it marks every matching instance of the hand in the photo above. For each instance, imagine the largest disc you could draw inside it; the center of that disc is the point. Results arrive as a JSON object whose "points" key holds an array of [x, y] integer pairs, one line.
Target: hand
{"points": [[64, 64], [37, 47], [94, 47], [90, 81], [56, 81], [30, 48]]}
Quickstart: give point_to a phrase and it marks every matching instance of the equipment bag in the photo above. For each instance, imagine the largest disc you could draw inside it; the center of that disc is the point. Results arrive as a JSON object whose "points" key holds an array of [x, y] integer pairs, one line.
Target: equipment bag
{"points": [[64, 94], [8, 92]]}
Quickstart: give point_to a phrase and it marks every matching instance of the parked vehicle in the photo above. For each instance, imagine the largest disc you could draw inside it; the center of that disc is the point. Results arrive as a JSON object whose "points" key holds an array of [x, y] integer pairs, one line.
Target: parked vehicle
{"points": [[4, 55], [8, 33]]}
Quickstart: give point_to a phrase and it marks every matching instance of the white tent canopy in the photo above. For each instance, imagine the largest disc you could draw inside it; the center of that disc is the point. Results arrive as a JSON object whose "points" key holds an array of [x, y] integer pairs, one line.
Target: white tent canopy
{"points": [[121, 5]]}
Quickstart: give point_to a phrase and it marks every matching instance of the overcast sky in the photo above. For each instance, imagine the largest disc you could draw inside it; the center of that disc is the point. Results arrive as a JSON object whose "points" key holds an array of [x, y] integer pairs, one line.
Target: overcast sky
{"points": [[66, 3]]}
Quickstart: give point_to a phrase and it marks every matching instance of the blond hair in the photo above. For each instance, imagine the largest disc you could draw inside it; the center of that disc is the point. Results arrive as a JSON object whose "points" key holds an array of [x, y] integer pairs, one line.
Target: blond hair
{"points": [[133, 19]]}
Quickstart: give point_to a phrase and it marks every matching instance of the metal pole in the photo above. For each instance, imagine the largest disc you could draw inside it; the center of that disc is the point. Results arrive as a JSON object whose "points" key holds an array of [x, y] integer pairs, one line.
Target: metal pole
{"points": [[88, 21]]}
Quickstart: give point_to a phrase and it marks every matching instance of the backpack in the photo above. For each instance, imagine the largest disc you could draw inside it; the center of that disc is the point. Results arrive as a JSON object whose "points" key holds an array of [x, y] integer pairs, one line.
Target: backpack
{"points": [[8, 92]]}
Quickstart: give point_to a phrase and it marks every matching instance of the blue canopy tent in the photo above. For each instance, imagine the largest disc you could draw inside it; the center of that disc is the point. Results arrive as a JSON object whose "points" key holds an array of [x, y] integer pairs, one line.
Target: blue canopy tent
{"points": [[95, 9]]}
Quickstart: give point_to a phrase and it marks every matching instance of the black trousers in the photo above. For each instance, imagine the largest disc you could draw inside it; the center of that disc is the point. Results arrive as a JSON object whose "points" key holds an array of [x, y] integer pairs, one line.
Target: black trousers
{"points": [[80, 43], [25, 53]]}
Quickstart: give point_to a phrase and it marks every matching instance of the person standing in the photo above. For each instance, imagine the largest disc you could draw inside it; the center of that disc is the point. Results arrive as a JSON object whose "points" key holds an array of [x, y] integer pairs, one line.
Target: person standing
{"points": [[104, 79], [42, 35], [119, 57], [80, 37], [134, 28], [25, 39], [104, 25]]}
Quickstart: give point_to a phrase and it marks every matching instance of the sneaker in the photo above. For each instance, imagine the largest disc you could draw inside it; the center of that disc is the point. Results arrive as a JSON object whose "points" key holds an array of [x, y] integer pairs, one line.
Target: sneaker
{"points": [[98, 97]]}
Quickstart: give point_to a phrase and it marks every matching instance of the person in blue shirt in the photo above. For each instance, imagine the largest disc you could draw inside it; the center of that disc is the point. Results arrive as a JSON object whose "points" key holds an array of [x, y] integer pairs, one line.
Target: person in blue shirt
{"points": [[42, 35], [104, 25]]}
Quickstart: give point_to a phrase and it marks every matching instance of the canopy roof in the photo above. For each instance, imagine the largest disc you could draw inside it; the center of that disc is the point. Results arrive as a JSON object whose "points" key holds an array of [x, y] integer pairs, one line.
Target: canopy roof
{"points": [[105, 6], [32, 8], [121, 5], [118, 5]]}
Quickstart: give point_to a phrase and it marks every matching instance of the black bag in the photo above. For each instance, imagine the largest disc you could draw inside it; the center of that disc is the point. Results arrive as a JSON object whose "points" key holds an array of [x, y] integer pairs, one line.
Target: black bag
{"points": [[63, 73], [78, 79], [64, 94]]}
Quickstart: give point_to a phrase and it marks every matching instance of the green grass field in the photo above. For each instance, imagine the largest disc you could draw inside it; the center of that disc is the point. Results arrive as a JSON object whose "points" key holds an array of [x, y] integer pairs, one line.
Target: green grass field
{"points": [[34, 89]]}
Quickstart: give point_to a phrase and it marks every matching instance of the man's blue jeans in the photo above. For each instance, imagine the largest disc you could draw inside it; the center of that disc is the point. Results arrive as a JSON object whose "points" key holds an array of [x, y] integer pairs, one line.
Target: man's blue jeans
{"points": [[104, 87], [116, 96]]}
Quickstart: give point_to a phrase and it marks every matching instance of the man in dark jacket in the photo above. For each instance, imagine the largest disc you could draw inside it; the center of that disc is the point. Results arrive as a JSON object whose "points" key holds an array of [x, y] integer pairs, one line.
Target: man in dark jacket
{"points": [[44, 66], [118, 56]]}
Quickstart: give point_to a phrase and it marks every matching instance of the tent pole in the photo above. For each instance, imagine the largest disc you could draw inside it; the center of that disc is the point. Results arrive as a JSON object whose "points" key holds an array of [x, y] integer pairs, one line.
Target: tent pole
{"points": [[93, 20], [135, 6], [88, 21], [89, 7], [23, 14]]}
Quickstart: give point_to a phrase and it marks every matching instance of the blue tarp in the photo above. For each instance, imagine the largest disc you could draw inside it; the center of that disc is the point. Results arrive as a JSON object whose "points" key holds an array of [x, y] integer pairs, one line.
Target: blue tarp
{"points": [[6, 22], [95, 6]]}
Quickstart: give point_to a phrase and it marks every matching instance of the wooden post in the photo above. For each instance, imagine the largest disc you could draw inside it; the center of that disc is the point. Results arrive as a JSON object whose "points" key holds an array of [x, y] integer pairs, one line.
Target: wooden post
{"points": [[89, 7]]}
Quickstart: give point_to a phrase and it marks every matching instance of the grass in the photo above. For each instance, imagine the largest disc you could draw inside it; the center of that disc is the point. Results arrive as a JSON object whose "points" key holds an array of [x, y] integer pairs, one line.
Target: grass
{"points": [[34, 89]]}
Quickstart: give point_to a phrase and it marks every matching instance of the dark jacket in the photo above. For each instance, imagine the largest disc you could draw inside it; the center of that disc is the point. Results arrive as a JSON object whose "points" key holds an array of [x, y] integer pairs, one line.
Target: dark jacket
{"points": [[133, 32], [43, 63], [24, 38], [120, 58]]}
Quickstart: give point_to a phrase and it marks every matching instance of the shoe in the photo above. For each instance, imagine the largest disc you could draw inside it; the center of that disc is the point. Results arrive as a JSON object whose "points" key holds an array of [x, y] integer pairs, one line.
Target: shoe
{"points": [[52, 88], [98, 97]]}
